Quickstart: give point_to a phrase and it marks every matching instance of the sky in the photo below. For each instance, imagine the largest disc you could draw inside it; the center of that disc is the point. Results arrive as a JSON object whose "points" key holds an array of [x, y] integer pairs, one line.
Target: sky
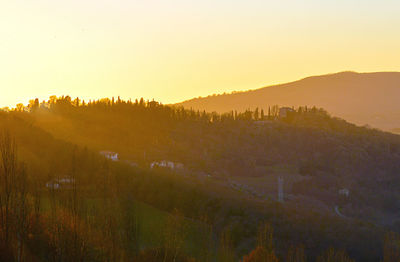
{"points": [[173, 50]]}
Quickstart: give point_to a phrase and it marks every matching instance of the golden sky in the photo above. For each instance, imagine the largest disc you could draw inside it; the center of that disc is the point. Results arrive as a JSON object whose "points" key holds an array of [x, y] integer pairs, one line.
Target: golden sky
{"points": [[175, 50]]}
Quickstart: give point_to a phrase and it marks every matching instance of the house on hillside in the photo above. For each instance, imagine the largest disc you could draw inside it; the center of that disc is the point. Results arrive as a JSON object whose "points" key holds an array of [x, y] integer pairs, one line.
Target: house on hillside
{"points": [[110, 155], [344, 192], [166, 164], [60, 183], [284, 110], [53, 185]]}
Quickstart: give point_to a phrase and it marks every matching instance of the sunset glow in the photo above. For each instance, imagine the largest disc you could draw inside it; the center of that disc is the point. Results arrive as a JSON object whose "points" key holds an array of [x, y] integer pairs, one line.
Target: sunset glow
{"points": [[177, 50]]}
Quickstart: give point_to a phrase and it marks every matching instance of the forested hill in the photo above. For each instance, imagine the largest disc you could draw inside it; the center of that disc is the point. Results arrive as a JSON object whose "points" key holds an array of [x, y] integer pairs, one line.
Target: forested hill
{"points": [[330, 152], [362, 98], [231, 162]]}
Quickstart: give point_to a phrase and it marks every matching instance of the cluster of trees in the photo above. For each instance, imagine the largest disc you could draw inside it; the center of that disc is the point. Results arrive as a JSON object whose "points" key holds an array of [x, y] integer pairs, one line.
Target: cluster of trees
{"points": [[66, 103], [14, 202]]}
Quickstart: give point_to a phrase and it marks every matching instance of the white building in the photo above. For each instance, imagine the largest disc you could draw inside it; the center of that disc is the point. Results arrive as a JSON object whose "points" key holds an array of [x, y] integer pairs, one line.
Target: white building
{"points": [[53, 185], [60, 183], [167, 164], [284, 110], [344, 192], [110, 155]]}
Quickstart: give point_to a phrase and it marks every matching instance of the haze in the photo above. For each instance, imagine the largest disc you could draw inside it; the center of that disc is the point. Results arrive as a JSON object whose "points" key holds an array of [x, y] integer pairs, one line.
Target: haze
{"points": [[175, 50], [364, 99]]}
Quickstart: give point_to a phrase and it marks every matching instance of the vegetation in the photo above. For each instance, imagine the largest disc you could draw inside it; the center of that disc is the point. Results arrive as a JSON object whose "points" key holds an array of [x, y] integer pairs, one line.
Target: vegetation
{"points": [[124, 210]]}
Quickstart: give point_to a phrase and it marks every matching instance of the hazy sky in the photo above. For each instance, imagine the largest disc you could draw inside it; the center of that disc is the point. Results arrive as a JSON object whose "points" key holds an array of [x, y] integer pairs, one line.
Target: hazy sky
{"points": [[173, 50]]}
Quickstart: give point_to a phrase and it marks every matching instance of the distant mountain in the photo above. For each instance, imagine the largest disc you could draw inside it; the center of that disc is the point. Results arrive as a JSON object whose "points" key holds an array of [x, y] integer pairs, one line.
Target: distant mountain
{"points": [[361, 98]]}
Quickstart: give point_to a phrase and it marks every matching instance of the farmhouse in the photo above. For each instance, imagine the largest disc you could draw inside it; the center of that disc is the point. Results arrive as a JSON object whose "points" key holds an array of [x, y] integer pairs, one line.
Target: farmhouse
{"points": [[110, 155], [59, 183], [284, 110], [167, 164], [344, 192], [53, 185]]}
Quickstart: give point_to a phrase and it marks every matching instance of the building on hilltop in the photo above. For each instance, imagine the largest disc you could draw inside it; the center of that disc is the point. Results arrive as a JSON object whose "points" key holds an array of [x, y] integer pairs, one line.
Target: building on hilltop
{"points": [[284, 110]]}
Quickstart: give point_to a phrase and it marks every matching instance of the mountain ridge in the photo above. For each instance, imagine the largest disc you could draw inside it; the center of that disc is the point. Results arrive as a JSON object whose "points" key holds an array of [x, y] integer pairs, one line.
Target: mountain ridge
{"points": [[362, 98]]}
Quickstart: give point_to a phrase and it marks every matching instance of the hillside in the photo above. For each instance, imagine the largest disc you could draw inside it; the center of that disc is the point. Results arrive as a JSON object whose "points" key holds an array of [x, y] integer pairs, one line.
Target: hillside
{"points": [[316, 153], [231, 163], [49, 209], [361, 98]]}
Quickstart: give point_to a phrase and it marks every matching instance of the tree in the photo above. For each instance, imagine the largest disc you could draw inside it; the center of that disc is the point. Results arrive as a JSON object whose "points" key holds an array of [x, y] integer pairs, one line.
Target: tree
{"points": [[34, 104], [391, 249], [174, 235], [295, 254], [77, 102], [265, 237], [8, 172], [256, 114], [22, 211], [14, 206], [275, 111], [264, 251], [130, 225], [75, 205], [206, 236], [226, 251], [260, 254], [332, 255], [20, 107]]}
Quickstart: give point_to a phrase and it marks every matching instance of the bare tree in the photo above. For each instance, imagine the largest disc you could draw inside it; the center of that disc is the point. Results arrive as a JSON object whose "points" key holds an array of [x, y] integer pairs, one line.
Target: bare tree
{"points": [[174, 235], [296, 254], [8, 170], [265, 237], [332, 255], [391, 249], [226, 251], [130, 225], [206, 237], [264, 252], [22, 210]]}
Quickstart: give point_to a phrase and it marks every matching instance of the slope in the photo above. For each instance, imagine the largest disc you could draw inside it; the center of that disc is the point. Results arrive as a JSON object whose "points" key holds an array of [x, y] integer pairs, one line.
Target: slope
{"points": [[361, 98]]}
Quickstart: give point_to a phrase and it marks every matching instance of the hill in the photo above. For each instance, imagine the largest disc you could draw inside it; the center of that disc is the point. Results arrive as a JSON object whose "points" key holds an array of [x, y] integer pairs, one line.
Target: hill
{"points": [[361, 98], [230, 167], [316, 154]]}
